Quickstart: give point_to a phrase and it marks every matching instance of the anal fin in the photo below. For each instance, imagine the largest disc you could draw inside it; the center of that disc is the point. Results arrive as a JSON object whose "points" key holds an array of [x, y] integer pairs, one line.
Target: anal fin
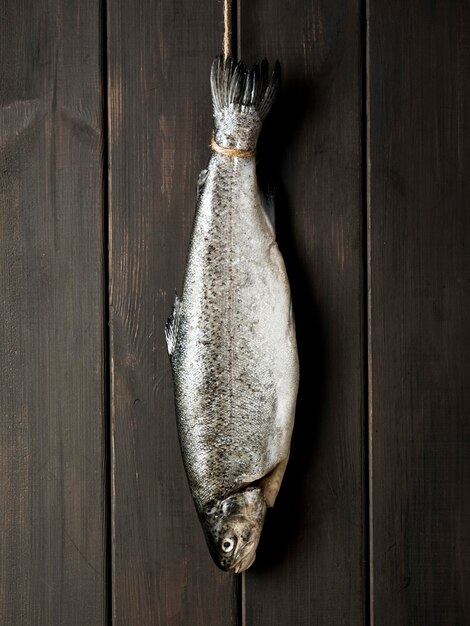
{"points": [[270, 206]]}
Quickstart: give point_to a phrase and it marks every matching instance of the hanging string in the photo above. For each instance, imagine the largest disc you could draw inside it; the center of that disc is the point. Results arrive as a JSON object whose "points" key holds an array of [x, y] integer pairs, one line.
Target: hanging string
{"points": [[227, 28], [229, 152]]}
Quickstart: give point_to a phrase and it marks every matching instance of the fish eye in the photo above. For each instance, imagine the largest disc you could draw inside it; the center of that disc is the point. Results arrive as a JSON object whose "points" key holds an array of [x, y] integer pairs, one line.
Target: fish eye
{"points": [[228, 544]]}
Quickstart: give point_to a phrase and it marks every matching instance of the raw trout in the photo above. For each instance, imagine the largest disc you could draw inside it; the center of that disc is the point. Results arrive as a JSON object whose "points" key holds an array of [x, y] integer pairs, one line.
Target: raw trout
{"points": [[231, 336]]}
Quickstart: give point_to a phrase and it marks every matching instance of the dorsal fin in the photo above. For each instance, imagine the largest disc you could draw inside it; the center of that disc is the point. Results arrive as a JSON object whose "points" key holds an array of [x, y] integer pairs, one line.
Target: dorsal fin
{"points": [[171, 327]]}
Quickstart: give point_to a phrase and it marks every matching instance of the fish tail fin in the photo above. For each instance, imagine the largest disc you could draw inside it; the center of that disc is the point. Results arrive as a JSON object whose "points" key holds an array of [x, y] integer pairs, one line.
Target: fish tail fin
{"points": [[241, 99], [245, 88]]}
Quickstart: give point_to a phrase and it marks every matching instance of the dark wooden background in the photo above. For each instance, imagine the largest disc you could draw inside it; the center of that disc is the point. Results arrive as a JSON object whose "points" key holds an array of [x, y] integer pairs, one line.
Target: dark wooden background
{"points": [[105, 118]]}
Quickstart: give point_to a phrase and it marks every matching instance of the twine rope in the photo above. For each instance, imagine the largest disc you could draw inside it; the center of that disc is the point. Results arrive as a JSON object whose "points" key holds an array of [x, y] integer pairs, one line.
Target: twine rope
{"points": [[227, 28], [229, 152], [232, 152]]}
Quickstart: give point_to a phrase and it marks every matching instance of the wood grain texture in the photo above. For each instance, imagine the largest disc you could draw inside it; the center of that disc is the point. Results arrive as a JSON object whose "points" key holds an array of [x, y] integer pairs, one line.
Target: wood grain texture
{"points": [[52, 554], [420, 303], [310, 567], [159, 56]]}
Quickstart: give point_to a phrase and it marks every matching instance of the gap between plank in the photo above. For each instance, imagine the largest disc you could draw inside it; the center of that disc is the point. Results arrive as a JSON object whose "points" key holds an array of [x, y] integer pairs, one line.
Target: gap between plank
{"points": [[368, 426], [106, 314], [240, 591], [236, 29]]}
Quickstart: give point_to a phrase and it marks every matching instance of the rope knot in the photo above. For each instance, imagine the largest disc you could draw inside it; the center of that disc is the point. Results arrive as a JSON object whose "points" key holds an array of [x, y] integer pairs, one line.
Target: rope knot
{"points": [[231, 152]]}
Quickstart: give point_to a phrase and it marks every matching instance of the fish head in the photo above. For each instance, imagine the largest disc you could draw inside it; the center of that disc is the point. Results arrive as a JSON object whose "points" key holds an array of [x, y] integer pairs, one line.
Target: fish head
{"points": [[233, 527]]}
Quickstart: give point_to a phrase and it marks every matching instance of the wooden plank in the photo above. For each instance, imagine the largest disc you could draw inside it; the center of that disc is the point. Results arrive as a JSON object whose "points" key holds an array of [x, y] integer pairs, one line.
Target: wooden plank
{"points": [[310, 567], [52, 556], [159, 128], [420, 302]]}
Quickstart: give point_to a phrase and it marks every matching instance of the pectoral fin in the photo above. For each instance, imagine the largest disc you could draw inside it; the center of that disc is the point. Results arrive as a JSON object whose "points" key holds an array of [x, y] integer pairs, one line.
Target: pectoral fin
{"points": [[271, 483]]}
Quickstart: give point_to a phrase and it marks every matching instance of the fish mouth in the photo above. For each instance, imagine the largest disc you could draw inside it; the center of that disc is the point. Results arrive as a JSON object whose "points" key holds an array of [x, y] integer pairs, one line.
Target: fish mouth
{"points": [[245, 563], [246, 556]]}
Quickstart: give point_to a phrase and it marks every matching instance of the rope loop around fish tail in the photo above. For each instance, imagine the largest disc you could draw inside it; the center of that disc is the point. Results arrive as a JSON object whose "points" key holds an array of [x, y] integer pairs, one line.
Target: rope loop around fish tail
{"points": [[234, 153]]}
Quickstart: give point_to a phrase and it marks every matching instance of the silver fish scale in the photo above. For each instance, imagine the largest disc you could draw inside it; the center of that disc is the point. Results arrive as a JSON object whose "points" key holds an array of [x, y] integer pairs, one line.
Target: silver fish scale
{"points": [[235, 359]]}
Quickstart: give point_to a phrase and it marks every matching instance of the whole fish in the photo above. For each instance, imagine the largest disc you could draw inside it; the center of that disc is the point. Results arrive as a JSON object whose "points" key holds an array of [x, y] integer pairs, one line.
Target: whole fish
{"points": [[231, 336]]}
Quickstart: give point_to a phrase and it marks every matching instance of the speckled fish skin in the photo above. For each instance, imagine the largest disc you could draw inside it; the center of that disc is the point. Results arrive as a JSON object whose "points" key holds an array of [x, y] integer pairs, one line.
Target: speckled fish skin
{"points": [[231, 336]]}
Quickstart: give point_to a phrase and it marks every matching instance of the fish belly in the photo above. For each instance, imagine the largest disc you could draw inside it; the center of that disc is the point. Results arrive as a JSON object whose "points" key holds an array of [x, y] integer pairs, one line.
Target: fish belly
{"points": [[235, 362]]}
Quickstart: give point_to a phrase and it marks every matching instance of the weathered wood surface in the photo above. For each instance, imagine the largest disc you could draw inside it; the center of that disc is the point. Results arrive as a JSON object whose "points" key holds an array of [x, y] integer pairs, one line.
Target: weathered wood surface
{"points": [[52, 530], [311, 562], [159, 56], [420, 303], [312, 565]]}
